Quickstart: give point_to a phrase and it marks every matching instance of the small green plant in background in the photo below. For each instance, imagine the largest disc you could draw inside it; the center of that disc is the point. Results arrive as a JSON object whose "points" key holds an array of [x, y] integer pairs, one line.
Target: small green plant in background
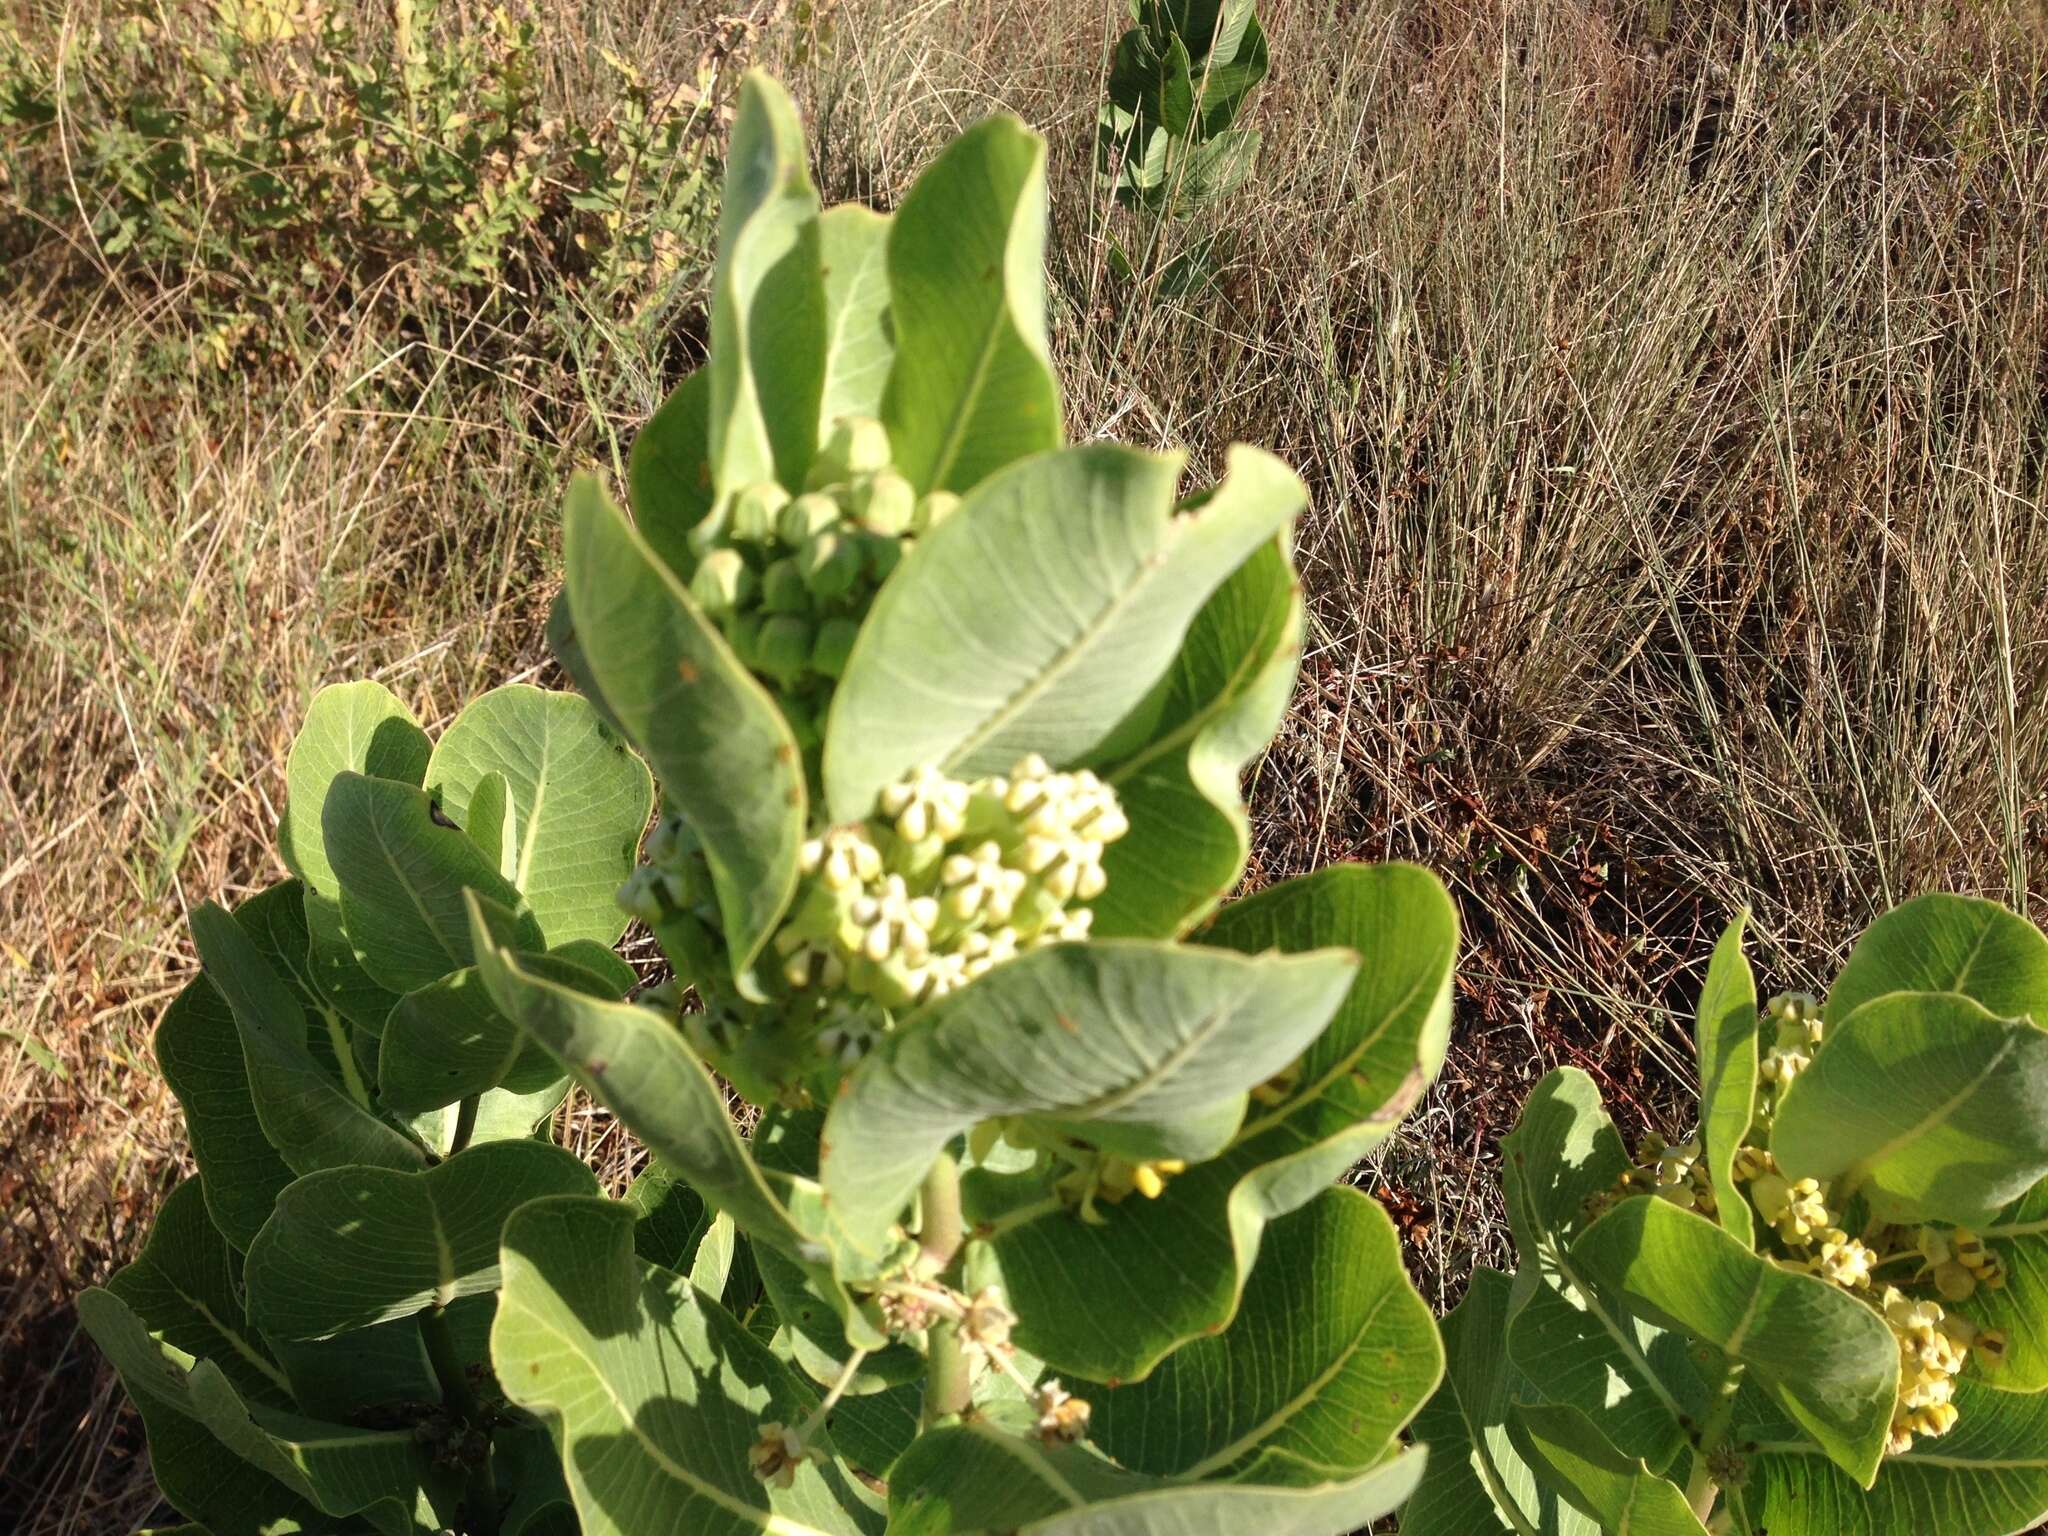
{"points": [[947, 718], [1826, 1313], [271, 159], [1177, 82]]}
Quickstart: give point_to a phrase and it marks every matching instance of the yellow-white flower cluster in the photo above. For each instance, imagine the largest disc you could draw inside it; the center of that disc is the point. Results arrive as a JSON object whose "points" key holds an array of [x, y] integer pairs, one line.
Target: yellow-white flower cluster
{"points": [[950, 879], [1932, 1351]]}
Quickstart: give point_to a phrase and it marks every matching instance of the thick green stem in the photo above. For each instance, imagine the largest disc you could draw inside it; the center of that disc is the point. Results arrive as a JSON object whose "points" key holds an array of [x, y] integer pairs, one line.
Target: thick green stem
{"points": [[1701, 1489], [480, 1495], [465, 1124], [949, 1374]]}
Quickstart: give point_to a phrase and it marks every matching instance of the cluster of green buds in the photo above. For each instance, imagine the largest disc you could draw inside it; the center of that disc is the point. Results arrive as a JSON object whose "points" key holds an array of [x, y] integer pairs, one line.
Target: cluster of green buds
{"points": [[947, 880], [787, 578]]}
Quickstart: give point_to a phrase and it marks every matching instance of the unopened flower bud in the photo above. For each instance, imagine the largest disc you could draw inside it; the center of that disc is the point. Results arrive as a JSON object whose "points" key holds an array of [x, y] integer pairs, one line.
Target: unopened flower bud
{"points": [[856, 445], [884, 503], [784, 649], [834, 644], [722, 583], [829, 564], [754, 510], [783, 589], [933, 508], [805, 515]]}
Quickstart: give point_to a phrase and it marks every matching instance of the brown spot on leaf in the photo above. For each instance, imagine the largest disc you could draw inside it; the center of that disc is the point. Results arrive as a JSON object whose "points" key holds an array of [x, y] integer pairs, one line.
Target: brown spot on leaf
{"points": [[686, 669]]}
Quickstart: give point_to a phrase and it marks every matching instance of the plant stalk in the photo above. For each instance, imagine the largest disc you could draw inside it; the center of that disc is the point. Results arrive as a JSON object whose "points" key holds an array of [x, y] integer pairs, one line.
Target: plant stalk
{"points": [[480, 1492], [465, 1124], [1701, 1490], [949, 1375]]}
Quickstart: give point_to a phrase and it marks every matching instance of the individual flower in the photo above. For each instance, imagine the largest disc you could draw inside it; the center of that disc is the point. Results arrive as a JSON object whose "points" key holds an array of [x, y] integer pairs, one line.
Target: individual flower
{"points": [[778, 1452], [1062, 1417]]}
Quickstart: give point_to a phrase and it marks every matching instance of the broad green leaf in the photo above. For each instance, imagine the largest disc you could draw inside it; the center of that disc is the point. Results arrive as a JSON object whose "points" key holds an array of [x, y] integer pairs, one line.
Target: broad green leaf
{"points": [[447, 1041], [1125, 1042], [637, 1064], [652, 1391], [1040, 614], [352, 1247], [403, 868], [200, 1052], [1941, 943], [1214, 30], [1577, 1349], [1217, 167], [1726, 1043], [489, 821], [1986, 1477], [668, 473], [305, 1113], [349, 728], [853, 248], [1562, 1151], [2020, 1238], [717, 742], [337, 975], [186, 1286], [275, 919], [1567, 1452], [579, 799], [1927, 1104], [601, 961], [1227, 81], [1476, 1480], [1330, 1354], [355, 1376], [501, 1115], [381, 1475], [767, 300], [972, 388], [971, 1479], [1223, 698], [1824, 1357], [671, 1218], [1082, 1290]]}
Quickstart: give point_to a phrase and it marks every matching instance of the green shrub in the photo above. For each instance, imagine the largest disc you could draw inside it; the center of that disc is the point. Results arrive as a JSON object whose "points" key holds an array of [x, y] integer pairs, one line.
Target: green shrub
{"points": [[1177, 83], [267, 156], [1825, 1315]]}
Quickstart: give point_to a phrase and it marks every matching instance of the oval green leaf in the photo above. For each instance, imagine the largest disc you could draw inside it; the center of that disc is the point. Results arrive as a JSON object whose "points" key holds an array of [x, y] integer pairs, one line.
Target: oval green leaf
{"points": [[1039, 615], [720, 748], [1726, 1041], [1570, 1456], [1926, 1103], [349, 728], [1942, 943], [1120, 1042], [579, 802]]}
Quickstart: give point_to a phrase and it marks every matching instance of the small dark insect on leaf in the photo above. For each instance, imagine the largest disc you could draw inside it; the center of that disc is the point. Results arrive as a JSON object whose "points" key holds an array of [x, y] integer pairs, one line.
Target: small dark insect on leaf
{"points": [[440, 816]]}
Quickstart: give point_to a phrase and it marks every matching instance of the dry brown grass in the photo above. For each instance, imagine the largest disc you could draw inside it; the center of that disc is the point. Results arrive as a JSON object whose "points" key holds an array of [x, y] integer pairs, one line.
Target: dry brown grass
{"points": [[1674, 406]]}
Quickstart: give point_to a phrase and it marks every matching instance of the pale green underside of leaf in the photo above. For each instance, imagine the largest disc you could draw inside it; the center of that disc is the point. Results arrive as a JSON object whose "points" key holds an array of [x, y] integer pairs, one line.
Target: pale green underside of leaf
{"points": [[971, 389], [767, 300], [579, 801], [719, 746], [853, 250], [1039, 615], [349, 728], [1178, 782], [975, 1479], [1086, 1294], [349, 1248], [1942, 943], [652, 1390], [1928, 1104], [1120, 1041]]}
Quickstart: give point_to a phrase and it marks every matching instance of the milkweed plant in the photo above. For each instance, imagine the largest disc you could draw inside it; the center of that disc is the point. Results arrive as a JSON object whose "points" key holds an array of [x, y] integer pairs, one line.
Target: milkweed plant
{"points": [[994, 1176]]}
